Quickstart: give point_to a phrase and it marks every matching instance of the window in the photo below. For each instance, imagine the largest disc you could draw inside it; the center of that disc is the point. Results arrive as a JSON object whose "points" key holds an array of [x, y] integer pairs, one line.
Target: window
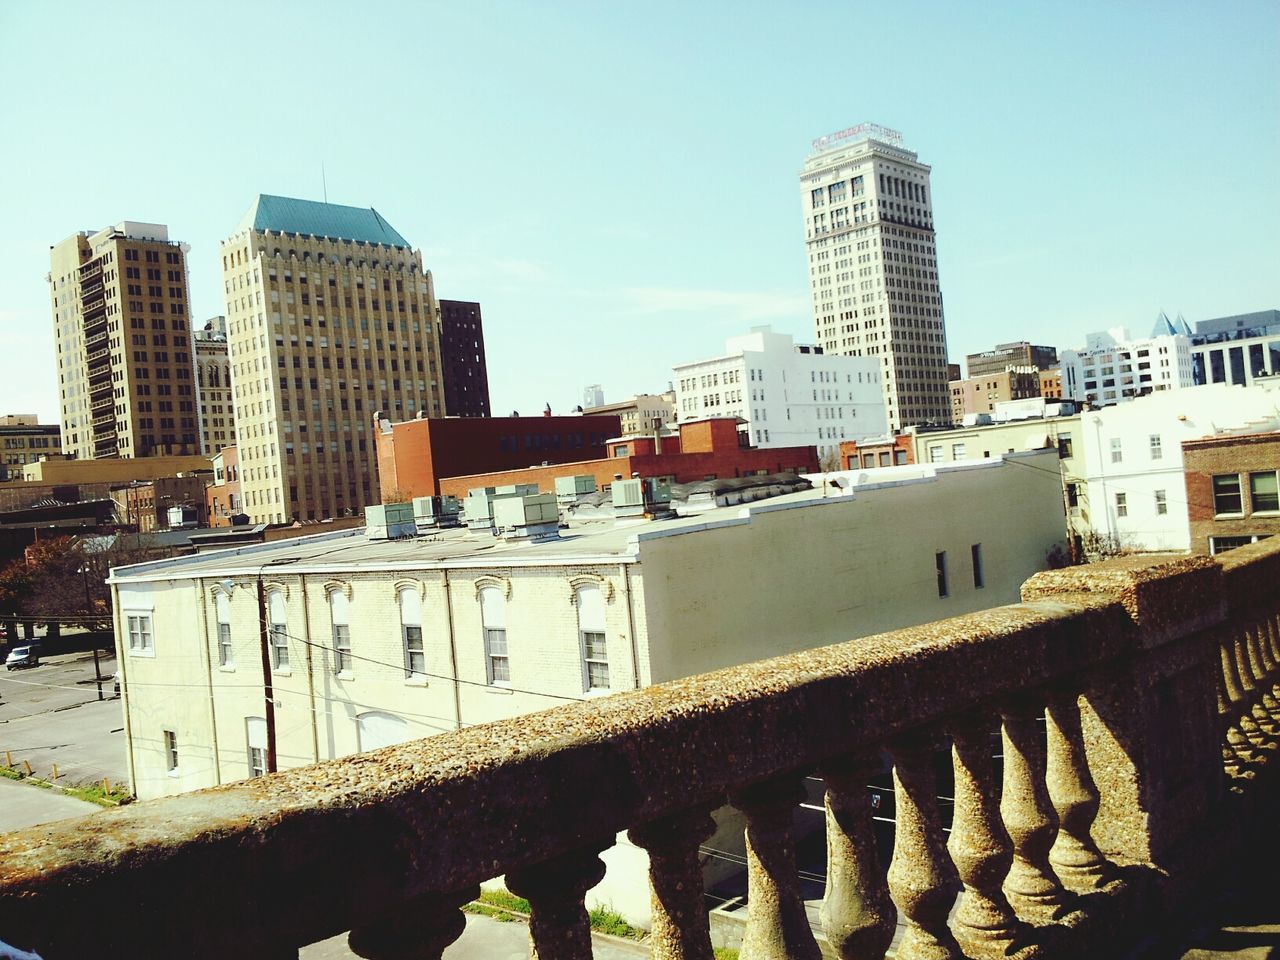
{"points": [[222, 605], [1264, 493], [341, 631], [140, 633], [1064, 445], [940, 562], [935, 454], [256, 736], [1117, 455], [1162, 503], [957, 451], [1157, 447], [493, 617], [171, 751], [415, 661], [1122, 504], [975, 554], [591, 635], [279, 630], [1226, 494]]}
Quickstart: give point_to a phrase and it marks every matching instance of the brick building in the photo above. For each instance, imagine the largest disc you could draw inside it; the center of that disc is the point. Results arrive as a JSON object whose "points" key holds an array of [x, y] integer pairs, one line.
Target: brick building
{"points": [[414, 456], [466, 378], [222, 497], [145, 504], [703, 450], [878, 452], [981, 394], [1233, 488]]}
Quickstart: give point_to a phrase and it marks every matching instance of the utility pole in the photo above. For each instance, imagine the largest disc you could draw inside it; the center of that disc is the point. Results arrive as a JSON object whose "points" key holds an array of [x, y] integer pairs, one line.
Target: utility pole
{"points": [[88, 611], [267, 690]]}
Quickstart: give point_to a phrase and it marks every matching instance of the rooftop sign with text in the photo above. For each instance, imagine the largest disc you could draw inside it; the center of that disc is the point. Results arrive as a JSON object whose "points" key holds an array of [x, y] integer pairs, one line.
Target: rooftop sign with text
{"points": [[863, 131]]}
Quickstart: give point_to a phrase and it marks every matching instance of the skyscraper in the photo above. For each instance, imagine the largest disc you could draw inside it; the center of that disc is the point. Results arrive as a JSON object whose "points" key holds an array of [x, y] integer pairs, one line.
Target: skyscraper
{"points": [[465, 377], [873, 268], [123, 342], [330, 318]]}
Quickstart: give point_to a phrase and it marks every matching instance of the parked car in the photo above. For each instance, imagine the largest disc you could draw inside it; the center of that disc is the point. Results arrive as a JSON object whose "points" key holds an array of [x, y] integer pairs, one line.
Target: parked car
{"points": [[28, 656]]}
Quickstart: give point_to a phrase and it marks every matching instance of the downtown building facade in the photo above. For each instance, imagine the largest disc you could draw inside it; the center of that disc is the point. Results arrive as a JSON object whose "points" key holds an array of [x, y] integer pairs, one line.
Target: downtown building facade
{"points": [[1114, 367], [331, 317], [465, 376], [213, 387], [786, 394], [1238, 349], [873, 268], [123, 343]]}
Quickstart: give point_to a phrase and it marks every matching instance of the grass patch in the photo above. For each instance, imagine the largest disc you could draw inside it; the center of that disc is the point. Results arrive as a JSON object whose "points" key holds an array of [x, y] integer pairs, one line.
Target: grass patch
{"points": [[606, 920], [726, 953], [92, 792], [503, 900]]}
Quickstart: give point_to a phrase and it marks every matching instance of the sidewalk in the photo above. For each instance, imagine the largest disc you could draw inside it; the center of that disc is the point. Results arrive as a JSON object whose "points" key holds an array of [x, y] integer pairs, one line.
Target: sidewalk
{"points": [[26, 805]]}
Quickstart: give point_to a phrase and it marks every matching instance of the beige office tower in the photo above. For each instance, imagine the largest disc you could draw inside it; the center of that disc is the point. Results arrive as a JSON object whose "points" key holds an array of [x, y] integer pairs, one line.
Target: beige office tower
{"points": [[330, 318], [873, 266], [123, 341], [213, 387]]}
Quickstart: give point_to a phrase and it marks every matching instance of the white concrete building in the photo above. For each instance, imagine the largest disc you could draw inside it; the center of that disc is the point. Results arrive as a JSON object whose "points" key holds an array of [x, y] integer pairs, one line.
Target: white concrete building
{"points": [[1113, 367], [377, 642], [1238, 349], [873, 269], [789, 394], [1133, 459]]}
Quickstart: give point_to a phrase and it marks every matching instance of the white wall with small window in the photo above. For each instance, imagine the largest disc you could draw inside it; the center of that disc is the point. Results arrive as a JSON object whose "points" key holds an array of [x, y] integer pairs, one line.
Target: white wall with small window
{"points": [[1133, 460], [342, 662], [415, 658], [593, 633], [278, 631], [493, 618], [222, 610]]}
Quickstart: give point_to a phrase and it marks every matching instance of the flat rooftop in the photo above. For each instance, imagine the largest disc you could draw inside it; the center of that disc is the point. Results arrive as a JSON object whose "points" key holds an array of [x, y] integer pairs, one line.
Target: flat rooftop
{"points": [[587, 540]]}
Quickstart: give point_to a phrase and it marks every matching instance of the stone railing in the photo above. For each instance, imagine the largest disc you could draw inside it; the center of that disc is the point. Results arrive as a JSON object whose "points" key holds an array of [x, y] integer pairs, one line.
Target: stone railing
{"points": [[1135, 701]]}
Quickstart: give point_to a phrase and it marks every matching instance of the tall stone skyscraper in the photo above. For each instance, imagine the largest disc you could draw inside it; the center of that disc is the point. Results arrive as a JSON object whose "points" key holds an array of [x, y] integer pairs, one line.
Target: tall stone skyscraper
{"points": [[122, 332], [330, 319], [873, 267]]}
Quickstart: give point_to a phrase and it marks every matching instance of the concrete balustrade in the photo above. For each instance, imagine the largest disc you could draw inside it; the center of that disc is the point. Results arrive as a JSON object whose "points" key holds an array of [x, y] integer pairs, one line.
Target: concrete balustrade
{"points": [[1124, 694]]}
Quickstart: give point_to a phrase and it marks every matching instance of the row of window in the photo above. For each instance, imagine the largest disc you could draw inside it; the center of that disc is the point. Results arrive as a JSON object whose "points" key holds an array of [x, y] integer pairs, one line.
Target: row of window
{"points": [[1228, 493], [588, 599]]}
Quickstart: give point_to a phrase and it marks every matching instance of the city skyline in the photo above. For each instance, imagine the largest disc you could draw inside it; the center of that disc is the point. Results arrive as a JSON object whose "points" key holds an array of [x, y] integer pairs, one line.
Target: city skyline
{"points": [[600, 184]]}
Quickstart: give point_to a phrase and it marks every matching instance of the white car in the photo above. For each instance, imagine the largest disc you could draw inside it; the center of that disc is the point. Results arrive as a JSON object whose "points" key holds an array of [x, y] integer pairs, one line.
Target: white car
{"points": [[28, 656]]}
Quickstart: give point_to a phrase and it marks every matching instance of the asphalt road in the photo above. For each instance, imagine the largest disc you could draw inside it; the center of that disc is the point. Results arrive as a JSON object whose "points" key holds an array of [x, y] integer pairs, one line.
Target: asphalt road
{"points": [[51, 714], [22, 806]]}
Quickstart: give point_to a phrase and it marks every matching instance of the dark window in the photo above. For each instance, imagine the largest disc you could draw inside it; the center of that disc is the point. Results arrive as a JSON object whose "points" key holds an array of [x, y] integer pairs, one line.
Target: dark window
{"points": [[940, 562], [975, 552]]}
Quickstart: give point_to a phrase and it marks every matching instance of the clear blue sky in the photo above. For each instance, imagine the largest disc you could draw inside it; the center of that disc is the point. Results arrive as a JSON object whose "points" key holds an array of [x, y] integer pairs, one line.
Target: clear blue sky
{"points": [[617, 183]]}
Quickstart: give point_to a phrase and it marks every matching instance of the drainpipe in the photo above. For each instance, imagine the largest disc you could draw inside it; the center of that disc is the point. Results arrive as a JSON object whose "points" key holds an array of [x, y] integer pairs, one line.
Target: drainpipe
{"points": [[625, 570], [311, 680], [124, 684], [208, 675], [453, 655]]}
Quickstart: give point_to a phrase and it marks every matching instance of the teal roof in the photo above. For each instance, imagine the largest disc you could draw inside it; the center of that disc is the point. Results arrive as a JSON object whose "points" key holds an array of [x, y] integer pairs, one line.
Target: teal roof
{"points": [[310, 217]]}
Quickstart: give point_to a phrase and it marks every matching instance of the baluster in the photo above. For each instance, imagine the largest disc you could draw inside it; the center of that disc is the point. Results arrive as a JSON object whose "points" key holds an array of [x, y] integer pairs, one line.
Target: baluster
{"points": [[858, 917], [922, 880], [559, 928], [681, 929], [985, 924], [777, 927], [1248, 708], [1230, 697], [1260, 669], [1075, 857], [1032, 887], [420, 930]]}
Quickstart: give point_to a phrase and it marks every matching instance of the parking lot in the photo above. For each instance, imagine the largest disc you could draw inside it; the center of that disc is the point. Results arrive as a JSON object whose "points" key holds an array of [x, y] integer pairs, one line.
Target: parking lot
{"points": [[50, 714]]}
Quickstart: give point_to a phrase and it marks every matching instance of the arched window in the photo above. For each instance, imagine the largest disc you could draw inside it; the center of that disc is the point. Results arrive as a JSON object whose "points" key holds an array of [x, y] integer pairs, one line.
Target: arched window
{"points": [[415, 660], [377, 729], [256, 735], [493, 616], [279, 630], [591, 638], [342, 660]]}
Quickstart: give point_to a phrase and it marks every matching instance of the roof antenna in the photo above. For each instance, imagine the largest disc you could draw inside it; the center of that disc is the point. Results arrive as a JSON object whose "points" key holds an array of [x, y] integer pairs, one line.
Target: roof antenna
{"points": [[324, 183]]}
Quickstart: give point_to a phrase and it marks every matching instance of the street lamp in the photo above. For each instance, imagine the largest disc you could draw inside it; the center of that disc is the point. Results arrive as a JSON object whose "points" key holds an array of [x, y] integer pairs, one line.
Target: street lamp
{"points": [[88, 611]]}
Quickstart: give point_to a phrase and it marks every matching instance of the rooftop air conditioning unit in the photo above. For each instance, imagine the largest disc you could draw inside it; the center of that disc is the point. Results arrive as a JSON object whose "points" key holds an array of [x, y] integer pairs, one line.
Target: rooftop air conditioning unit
{"points": [[435, 512], [389, 521], [535, 517]]}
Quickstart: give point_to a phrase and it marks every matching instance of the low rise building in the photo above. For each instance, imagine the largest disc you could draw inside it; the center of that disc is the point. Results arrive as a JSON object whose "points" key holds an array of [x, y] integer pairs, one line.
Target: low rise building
{"points": [[148, 505], [1051, 384], [1134, 461], [414, 456], [1233, 488], [895, 451], [981, 394], [222, 496], [786, 394], [1114, 367], [642, 414], [26, 441], [61, 471], [1006, 356], [709, 449]]}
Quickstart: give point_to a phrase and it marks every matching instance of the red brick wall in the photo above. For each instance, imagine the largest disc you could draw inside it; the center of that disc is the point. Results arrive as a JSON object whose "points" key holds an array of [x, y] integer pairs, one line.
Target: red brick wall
{"points": [[418, 454], [1242, 455], [851, 453]]}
